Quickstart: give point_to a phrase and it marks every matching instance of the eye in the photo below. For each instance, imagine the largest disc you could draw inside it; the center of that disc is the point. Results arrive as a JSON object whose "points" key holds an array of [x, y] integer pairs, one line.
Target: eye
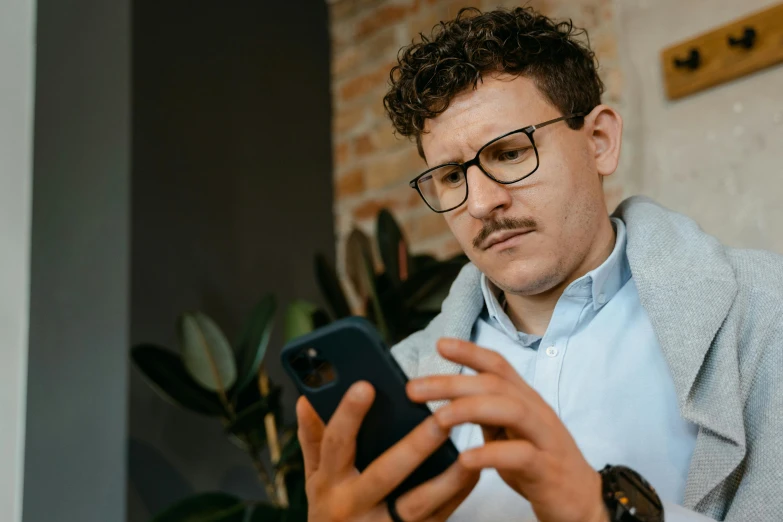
{"points": [[454, 177], [513, 155]]}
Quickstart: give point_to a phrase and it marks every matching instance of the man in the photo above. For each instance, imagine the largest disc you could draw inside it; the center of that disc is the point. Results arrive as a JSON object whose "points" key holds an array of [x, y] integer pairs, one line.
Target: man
{"points": [[573, 340]]}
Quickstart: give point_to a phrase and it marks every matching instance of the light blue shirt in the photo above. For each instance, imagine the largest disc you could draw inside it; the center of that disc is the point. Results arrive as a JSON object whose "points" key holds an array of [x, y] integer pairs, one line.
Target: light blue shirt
{"points": [[599, 366]]}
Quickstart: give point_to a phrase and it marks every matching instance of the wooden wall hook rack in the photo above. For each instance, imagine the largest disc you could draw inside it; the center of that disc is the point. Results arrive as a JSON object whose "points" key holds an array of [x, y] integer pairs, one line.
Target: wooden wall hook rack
{"points": [[723, 54]]}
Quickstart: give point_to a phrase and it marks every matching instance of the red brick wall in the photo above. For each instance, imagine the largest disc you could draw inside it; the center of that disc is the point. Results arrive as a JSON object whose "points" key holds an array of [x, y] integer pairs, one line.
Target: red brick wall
{"points": [[371, 166]]}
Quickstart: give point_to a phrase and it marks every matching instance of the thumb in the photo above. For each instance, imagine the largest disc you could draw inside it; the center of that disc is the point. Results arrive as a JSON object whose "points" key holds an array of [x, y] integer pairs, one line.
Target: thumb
{"points": [[310, 433]]}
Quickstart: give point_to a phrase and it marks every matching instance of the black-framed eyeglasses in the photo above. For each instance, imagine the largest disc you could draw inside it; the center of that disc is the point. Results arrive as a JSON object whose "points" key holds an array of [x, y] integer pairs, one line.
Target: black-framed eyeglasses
{"points": [[507, 159]]}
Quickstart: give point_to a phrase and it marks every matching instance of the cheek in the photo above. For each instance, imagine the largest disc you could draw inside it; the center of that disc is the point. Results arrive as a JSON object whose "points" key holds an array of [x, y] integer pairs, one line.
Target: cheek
{"points": [[463, 227]]}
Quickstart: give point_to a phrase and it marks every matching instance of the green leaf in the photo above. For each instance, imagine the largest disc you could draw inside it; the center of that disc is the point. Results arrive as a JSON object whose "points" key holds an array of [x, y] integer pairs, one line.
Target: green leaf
{"points": [[205, 507], [358, 254], [330, 287], [166, 374], [206, 353], [432, 280], [392, 247], [267, 513], [254, 341], [380, 320], [299, 319], [253, 417]]}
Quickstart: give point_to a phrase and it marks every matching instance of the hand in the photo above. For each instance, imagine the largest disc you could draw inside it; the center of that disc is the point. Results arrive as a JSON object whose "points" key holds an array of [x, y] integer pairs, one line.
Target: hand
{"points": [[337, 492], [524, 440]]}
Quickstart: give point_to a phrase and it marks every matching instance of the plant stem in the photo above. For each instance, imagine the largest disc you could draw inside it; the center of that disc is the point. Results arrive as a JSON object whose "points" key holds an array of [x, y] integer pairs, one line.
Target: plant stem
{"points": [[263, 474], [273, 441]]}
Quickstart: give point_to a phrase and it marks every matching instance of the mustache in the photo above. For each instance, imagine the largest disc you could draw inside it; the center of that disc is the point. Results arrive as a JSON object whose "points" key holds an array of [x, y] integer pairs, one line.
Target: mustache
{"points": [[497, 225]]}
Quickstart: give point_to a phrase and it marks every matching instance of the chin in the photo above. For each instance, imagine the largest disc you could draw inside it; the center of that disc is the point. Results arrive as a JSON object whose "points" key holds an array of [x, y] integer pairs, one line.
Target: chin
{"points": [[523, 276]]}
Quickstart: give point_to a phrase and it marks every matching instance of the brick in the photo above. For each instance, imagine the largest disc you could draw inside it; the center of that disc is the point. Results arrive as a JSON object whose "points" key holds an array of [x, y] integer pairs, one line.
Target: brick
{"points": [[363, 84], [370, 209], [342, 153], [393, 168], [403, 198], [342, 9], [453, 7], [347, 119], [383, 138], [382, 17], [363, 145], [344, 61], [349, 184], [426, 226]]}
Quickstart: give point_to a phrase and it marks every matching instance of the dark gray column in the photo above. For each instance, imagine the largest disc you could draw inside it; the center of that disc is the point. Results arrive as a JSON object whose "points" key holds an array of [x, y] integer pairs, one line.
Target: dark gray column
{"points": [[77, 382]]}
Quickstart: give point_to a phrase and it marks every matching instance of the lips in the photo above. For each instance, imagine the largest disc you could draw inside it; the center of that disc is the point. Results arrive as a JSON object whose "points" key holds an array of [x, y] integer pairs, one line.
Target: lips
{"points": [[498, 238]]}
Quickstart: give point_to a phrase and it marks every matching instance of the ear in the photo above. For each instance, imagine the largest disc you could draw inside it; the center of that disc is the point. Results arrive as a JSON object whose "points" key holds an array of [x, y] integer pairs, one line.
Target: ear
{"points": [[605, 126]]}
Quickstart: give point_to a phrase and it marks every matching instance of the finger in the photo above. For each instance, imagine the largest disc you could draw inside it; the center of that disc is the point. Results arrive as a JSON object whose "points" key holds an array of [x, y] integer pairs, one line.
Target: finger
{"points": [[511, 413], [444, 387], [519, 456], [338, 448], [479, 359], [451, 506], [393, 466], [434, 494], [310, 433]]}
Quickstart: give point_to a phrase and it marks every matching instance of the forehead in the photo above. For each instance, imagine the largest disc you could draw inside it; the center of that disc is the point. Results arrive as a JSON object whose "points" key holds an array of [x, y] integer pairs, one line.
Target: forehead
{"points": [[498, 105]]}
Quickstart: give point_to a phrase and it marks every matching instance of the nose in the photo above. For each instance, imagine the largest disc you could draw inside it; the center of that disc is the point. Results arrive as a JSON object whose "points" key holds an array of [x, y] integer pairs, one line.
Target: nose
{"points": [[485, 196]]}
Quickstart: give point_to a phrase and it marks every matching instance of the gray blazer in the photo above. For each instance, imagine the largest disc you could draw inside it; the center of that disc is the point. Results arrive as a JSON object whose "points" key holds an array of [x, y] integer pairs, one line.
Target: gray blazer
{"points": [[718, 316]]}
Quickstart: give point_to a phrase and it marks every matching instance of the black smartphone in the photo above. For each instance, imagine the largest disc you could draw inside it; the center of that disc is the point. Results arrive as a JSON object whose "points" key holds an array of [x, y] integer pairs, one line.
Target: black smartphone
{"points": [[326, 362]]}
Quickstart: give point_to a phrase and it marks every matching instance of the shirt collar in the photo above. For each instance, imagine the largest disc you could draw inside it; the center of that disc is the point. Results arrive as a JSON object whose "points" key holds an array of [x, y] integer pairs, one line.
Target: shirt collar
{"points": [[613, 273], [599, 285]]}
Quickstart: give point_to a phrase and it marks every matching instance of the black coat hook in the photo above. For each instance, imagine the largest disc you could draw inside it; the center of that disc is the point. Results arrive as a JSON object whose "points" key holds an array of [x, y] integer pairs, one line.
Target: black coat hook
{"points": [[692, 62], [747, 41]]}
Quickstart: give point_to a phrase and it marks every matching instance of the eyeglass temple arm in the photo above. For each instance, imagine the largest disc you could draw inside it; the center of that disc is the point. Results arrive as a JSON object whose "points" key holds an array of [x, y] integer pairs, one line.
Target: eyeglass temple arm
{"points": [[570, 116]]}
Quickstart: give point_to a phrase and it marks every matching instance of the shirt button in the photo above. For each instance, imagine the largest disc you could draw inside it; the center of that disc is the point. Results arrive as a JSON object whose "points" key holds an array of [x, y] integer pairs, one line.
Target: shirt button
{"points": [[551, 351], [601, 299]]}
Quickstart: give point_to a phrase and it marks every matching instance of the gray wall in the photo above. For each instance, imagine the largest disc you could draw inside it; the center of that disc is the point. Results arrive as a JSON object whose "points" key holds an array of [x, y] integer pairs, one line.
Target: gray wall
{"points": [[77, 381], [715, 155], [231, 198], [17, 39]]}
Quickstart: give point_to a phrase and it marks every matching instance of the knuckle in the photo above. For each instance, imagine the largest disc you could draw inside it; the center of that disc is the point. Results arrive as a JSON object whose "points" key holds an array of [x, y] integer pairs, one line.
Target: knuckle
{"points": [[334, 439]]}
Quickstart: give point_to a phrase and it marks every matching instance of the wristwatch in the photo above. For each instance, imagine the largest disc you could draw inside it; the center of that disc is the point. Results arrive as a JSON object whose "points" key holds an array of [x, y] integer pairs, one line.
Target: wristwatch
{"points": [[628, 497]]}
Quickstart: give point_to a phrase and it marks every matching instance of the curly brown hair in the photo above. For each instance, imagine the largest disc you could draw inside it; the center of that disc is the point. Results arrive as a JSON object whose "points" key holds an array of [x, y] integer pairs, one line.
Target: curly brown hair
{"points": [[457, 53]]}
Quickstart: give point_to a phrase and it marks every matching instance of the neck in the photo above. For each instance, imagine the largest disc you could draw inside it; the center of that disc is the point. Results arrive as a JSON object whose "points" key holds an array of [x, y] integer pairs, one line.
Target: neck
{"points": [[532, 313]]}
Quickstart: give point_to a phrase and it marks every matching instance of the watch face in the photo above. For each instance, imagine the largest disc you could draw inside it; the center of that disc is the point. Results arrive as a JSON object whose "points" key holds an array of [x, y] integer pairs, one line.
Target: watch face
{"points": [[640, 501]]}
